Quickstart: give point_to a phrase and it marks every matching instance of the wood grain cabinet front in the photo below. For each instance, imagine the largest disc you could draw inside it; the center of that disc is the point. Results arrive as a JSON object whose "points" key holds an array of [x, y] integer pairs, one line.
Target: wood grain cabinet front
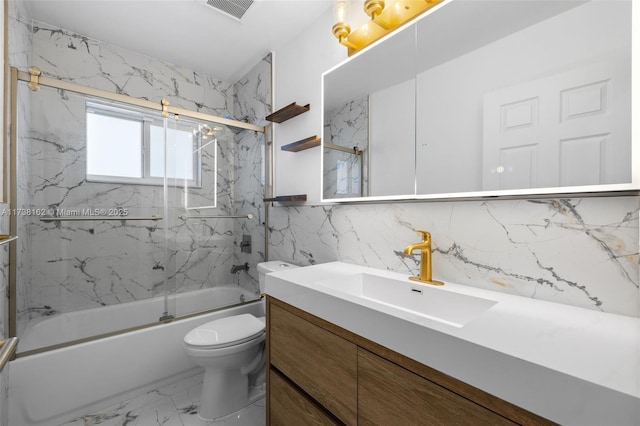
{"points": [[389, 394], [322, 364], [320, 372], [290, 407]]}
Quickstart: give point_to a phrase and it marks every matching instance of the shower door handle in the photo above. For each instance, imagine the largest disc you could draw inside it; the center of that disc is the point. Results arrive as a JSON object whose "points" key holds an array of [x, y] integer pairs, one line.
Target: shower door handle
{"points": [[79, 218], [244, 216], [5, 239], [8, 348]]}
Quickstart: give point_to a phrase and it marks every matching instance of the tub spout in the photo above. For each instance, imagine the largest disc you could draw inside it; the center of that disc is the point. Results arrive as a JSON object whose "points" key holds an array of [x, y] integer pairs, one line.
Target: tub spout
{"points": [[238, 268], [166, 317]]}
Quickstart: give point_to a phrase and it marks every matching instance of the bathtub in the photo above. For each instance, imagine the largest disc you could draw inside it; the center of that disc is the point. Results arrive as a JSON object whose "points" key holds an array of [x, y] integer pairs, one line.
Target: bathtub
{"points": [[71, 326], [57, 386]]}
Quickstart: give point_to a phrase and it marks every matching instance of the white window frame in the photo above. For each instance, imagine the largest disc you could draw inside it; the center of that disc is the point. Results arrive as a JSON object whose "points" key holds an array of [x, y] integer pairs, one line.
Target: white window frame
{"points": [[147, 120]]}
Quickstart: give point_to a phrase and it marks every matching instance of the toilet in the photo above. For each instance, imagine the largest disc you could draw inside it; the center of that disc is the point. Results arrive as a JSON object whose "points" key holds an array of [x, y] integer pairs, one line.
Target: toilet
{"points": [[231, 350]]}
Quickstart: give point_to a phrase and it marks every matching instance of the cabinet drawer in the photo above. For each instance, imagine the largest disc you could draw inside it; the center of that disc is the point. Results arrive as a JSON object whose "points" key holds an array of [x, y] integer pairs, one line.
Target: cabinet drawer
{"points": [[389, 394], [321, 363], [289, 407]]}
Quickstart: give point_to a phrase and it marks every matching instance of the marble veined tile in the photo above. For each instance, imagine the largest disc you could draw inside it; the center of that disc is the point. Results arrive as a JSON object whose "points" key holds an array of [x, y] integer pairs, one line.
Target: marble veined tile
{"points": [[188, 400], [581, 252], [175, 404]]}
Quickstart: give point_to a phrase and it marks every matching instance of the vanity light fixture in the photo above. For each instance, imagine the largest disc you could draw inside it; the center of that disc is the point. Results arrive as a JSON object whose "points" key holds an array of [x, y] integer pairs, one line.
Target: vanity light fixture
{"points": [[386, 16]]}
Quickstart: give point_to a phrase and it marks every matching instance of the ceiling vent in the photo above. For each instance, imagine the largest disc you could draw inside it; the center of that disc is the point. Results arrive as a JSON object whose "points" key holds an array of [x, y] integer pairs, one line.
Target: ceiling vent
{"points": [[234, 8]]}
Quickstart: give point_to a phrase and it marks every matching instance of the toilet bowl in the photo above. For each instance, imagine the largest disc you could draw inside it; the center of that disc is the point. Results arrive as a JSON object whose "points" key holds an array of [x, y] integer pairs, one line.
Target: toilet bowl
{"points": [[231, 350]]}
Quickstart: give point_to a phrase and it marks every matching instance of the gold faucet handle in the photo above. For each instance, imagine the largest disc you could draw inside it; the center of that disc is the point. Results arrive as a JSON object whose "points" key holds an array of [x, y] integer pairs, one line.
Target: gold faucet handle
{"points": [[426, 235]]}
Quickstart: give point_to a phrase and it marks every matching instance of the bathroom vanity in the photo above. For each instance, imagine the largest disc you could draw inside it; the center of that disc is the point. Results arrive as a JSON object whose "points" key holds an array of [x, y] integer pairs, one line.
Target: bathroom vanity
{"points": [[327, 375], [344, 348]]}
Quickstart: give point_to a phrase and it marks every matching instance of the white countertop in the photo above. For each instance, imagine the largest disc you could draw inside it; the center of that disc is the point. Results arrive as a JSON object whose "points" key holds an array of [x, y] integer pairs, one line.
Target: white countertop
{"points": [[568, 364]]}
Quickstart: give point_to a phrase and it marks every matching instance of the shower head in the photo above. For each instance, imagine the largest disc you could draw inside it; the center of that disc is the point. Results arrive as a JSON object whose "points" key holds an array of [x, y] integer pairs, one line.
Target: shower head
{"points": [[206, 132]]}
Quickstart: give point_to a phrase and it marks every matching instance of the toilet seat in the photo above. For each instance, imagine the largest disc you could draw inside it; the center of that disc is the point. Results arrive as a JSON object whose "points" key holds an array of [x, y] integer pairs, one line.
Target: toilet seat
{"points": [[225, 332]]}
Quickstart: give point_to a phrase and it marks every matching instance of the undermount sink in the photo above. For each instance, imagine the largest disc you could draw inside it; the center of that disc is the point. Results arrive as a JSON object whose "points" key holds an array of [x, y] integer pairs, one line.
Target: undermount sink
{"points": [[435, 303]]}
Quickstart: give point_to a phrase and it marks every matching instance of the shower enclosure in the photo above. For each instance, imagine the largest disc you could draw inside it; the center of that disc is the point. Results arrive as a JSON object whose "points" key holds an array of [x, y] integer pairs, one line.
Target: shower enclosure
{"points": [[121, 200]]}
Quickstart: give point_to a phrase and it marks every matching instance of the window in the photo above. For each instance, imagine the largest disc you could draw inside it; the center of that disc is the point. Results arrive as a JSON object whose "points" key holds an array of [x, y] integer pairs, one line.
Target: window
{"points": [[128, 146]]}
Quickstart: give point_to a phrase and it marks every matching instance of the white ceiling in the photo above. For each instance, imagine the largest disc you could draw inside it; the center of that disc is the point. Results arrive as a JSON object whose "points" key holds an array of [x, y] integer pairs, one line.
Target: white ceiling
{"points": [[186, 32]]}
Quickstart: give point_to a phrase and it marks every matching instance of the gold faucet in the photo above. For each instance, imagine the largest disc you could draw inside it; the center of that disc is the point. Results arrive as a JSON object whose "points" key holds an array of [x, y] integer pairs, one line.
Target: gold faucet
{"points": [[425, 258]]}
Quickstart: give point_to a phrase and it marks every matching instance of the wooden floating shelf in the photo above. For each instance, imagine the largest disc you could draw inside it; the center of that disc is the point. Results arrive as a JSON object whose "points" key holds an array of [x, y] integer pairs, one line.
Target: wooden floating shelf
{"points": [[288, 198], [303, 144], [290, 111]]}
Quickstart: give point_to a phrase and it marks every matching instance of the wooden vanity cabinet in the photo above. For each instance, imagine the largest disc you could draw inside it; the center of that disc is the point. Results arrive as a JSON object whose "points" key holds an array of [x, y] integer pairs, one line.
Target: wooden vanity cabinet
{"points": [[389, 394], [288, 405], [322, 374], [321, 363]]}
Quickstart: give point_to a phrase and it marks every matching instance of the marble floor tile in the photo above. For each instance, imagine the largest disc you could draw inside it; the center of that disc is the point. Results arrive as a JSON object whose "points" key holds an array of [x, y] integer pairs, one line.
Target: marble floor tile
{"points": [[175, 404]]}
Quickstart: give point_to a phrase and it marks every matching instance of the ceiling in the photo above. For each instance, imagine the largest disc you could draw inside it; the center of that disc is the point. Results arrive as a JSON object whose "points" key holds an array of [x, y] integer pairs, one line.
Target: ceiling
{"points": [[186, 32]]}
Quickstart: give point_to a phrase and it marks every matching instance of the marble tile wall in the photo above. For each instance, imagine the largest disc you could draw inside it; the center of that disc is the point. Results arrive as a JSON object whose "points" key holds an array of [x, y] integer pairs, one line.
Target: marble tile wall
{"points": [[252, 102], [74, 266], [18, 54], [581, 252], [69, 266]]}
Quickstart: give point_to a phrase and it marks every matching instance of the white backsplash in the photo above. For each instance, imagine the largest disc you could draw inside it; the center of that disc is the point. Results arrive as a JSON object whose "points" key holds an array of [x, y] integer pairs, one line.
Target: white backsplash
{"points": [[581, 252]]}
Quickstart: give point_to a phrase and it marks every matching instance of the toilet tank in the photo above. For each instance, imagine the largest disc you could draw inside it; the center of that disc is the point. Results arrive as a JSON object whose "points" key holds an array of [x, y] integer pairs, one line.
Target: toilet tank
{"points": [[272, 266]]}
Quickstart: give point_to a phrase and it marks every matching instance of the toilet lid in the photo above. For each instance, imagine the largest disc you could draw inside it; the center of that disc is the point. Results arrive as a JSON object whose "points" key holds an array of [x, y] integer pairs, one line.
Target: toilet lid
{"points": [[225, 331]]}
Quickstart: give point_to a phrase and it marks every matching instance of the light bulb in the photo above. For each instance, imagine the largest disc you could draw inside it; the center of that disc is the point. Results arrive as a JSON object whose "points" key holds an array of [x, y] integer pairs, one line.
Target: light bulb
{"points": [[340, 11], [341, 28]]}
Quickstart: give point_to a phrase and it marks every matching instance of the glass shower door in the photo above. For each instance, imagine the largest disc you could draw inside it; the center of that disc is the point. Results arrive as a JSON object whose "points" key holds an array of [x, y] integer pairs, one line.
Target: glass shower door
{"points": [[127, 216], [202, 239], [92, 253]]}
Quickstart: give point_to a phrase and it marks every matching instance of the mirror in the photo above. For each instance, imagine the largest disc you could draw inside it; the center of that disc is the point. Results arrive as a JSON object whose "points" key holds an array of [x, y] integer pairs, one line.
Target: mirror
{"points": [[533, 97], [370, 107]]}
